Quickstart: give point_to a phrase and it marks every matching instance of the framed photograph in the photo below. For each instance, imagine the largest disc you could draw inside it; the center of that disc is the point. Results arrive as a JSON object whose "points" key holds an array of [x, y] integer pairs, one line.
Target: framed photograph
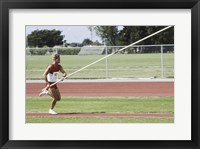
{"points": [[103, 74]]}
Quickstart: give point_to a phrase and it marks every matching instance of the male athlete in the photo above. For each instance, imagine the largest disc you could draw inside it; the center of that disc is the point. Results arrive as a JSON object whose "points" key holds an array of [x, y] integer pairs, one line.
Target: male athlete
{"points": [[51, 76]]}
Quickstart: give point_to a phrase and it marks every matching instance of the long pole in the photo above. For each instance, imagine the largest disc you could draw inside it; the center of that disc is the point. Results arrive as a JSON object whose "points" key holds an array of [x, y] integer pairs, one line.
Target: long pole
{"points": [[113, 53]]}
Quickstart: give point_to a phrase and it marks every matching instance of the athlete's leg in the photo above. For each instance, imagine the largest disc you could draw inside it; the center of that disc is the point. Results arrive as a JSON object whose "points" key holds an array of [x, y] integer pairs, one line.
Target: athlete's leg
{"points": [[55, 94]]}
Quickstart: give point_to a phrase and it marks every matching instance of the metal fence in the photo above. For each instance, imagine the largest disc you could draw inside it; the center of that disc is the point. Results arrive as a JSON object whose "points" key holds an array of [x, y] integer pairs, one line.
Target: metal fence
{"points": [[162, 68], [162, 48]]}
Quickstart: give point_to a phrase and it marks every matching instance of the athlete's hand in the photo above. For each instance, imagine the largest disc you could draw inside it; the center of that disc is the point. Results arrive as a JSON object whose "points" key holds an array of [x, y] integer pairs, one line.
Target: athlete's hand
{"points": [[63, 78], [47, 87]]}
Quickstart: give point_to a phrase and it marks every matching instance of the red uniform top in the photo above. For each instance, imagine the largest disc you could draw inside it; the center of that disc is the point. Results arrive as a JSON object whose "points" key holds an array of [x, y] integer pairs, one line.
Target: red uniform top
{"points": [[54, 68]]}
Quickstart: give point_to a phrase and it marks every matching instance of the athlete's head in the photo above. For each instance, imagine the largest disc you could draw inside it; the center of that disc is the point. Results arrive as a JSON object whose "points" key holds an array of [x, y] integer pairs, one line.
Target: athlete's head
{"points": [[56, 57]]}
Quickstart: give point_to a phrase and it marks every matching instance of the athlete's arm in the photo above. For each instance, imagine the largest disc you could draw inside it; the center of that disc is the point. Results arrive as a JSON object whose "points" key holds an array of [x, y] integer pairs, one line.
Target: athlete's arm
{"points": [[46, 73], [64, 73]]}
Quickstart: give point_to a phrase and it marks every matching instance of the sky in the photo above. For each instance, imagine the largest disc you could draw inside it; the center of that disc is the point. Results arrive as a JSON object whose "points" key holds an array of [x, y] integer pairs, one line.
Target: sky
{"points": [[71, 33]]}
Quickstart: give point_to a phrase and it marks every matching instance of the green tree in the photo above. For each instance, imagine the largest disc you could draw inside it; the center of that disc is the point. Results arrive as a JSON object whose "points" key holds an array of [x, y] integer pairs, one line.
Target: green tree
{"points": [[86, 41], [165, 37], [131, 34], [97, 43], [40, 38], [110, 33], [91, 29]]}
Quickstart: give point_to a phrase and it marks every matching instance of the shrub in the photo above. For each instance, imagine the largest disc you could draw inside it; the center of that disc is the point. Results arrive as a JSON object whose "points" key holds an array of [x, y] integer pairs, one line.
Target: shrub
{"points": [[38, 51], [60, 50], [68, 51]]}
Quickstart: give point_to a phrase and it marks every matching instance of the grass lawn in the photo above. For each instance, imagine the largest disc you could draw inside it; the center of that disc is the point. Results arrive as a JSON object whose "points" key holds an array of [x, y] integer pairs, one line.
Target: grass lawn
{"points": [[120, 65], [96, 120], [101, 105]]}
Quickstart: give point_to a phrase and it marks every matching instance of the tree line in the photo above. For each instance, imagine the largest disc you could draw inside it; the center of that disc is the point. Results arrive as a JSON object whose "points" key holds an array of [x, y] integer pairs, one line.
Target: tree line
{"points": [[131, 34], [111, 35]]}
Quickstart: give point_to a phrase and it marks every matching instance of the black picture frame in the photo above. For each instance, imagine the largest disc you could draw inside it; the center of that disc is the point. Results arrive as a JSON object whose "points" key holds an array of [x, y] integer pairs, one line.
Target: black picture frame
{"points": [[5, 5]]}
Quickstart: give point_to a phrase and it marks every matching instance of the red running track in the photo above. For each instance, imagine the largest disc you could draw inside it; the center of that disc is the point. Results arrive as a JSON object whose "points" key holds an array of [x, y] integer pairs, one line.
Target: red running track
{"points": [[107, 88]]}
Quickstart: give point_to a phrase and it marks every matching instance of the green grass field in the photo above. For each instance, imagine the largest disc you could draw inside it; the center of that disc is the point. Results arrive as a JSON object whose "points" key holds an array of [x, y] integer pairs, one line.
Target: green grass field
{"points": [[120, 66], [101, 105], [97, 120]]}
